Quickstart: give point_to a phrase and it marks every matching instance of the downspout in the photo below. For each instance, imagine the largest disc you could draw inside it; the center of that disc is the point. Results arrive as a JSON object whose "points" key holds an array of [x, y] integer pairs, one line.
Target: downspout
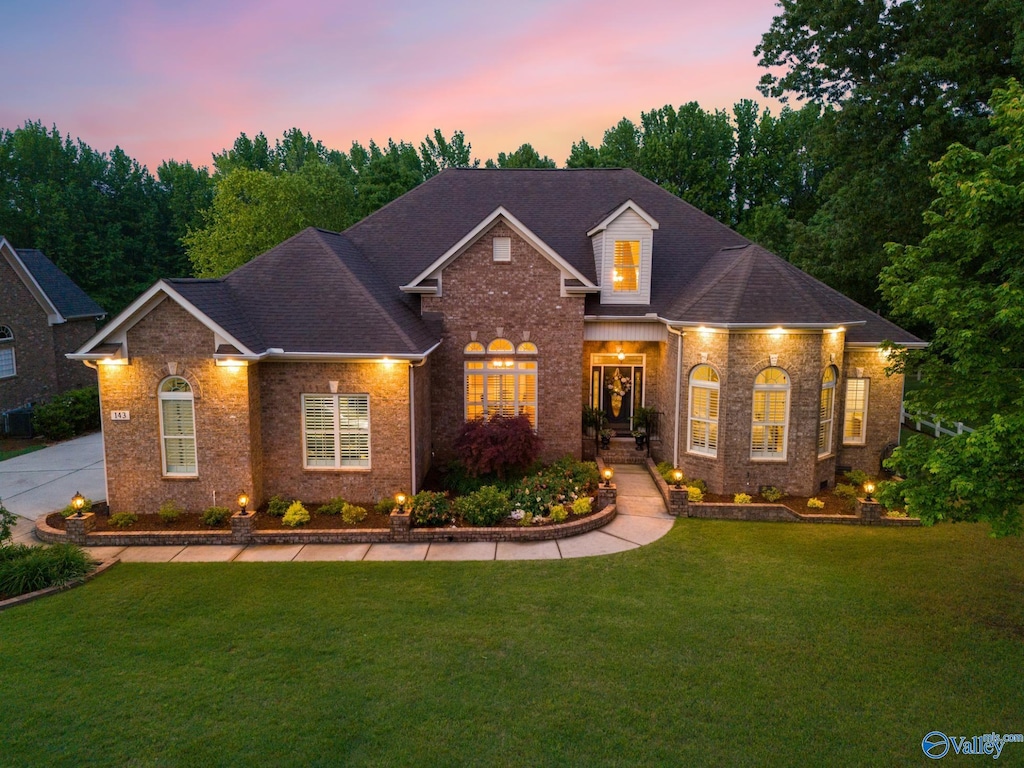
{"points": [[412, 423], [103, 432], [679, 384]]}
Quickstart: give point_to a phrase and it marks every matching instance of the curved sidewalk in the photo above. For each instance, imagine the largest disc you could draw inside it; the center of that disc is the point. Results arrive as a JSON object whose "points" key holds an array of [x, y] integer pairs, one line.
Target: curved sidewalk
{"points": [[641, 519], [38, 483]]}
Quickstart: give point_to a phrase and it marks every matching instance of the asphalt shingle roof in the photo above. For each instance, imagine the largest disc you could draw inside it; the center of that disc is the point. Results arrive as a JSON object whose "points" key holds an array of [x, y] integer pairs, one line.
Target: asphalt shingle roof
{"points": [[326, 292], [70, 300]]}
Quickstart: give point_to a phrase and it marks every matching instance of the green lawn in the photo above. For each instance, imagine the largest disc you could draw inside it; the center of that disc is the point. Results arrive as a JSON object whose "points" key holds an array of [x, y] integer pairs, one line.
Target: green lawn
{"points": [[722, 644], [10, 454]]}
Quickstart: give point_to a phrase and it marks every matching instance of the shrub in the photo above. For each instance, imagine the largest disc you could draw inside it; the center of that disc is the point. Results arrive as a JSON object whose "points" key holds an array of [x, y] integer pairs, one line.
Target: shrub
{"points": [[741, 498], [562, 482], [353, 514], [333, 507], [25, 569], [124, 519], [582, 505], [558, 513], [7, 522], [459, 481], [847, 493], [277, 506], [497, 445], [665, 469], [68, 414], [69, 510], [698, 484], [431, 509], [695, 494], [526, 519], [170, 511], [815, 503], [486, 507], [771, 494], [857, 477], [296, 515], [385, 506], [214, 516]]}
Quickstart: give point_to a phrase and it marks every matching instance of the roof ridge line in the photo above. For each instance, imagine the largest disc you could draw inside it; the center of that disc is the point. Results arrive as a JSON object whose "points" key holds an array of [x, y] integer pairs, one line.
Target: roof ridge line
{"points": [[711, 285], [362, 288]]}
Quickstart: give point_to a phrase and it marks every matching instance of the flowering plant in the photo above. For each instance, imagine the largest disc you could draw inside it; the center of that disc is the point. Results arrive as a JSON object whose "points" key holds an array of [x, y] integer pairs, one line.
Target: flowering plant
{"points": [[619, 385]]}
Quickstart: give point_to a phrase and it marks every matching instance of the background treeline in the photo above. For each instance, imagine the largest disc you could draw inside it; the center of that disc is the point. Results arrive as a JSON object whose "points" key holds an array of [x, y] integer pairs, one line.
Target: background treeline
{"points": [[885, 89]]}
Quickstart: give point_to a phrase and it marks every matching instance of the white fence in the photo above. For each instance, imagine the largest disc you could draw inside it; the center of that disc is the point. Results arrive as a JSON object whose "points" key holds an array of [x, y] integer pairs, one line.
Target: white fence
{"points": [[922, 424]]}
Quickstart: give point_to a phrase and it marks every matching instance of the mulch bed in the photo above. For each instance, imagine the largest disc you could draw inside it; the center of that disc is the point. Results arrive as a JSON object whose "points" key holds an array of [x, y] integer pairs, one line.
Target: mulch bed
{"points": [[190, 521], [833, 504]]}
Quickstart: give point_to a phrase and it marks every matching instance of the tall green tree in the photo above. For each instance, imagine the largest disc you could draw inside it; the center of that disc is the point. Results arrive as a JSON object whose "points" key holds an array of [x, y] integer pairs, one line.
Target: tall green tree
{"points": [[524, 157], [438, 153], [187, 196], [965, 282], [383, 174], [911, 78], [254, 210]]}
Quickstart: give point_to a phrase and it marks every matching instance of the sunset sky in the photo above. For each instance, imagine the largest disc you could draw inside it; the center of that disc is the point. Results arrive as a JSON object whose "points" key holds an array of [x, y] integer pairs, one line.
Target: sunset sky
{"points": [[182, 79]]}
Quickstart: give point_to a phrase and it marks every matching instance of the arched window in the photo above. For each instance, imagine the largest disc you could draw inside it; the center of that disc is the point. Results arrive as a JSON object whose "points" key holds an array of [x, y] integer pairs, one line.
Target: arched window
{"points": [[505, 383], [7, 366], [703, 427], [177, 427], [770, 414], [474, 348], [501, 347], [827, 411]]}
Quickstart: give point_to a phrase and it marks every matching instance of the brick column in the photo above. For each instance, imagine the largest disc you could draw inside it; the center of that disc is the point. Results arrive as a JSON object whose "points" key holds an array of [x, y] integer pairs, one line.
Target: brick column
{"points": [[241, 527], [869, 510], [606, 495], [401, 523], [78, 528], [679, 501]]}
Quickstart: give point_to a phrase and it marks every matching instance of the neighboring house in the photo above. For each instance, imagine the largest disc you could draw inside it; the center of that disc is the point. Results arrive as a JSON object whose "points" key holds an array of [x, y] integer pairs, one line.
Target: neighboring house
{"points": [[43, 316], [345, 364]]}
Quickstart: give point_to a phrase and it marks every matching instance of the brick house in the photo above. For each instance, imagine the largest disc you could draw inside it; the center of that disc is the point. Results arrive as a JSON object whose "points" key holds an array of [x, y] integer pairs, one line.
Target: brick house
{"points": [[345, 363], [43, 316]]}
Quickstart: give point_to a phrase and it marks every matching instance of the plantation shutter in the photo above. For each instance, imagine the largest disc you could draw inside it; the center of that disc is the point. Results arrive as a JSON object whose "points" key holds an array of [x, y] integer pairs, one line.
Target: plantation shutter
{"points": [[354, 432], [179, 437], [321, 430]]}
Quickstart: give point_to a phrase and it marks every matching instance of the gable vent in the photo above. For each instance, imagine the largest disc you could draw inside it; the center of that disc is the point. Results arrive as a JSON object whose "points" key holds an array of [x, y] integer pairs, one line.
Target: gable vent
{"points": [[502, 248]]}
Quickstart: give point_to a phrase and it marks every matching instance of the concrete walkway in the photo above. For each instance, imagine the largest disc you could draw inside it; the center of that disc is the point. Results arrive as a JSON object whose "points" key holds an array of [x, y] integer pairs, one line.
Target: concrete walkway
{"points": [[38, 483], [35, 484]]}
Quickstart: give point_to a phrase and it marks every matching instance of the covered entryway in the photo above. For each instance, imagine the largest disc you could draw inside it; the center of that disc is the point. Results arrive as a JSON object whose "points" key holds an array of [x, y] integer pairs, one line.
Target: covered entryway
{"points": [[617, 387]]}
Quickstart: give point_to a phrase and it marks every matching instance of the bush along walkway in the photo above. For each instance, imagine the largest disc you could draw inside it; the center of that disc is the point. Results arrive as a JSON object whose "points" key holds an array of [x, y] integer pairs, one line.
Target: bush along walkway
{"points": [[627, 519]]}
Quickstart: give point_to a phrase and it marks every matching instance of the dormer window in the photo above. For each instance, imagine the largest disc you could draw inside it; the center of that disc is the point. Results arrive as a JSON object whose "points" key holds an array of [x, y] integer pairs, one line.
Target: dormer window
{"points": [[626, 267]]}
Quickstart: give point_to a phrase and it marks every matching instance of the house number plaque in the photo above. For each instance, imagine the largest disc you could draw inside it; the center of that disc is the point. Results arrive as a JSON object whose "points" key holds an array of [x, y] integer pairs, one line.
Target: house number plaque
{"points": [[120, 416]]}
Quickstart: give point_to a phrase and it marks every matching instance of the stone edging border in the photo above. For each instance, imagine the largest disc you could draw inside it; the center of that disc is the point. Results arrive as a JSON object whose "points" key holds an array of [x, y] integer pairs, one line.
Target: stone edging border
{"points": [[868, 513], [28, 597], [396, 534]]}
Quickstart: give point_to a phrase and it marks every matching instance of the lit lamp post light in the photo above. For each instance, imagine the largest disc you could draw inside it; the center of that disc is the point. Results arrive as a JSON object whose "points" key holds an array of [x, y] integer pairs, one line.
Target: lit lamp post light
{"points": [[608, 477], [78, 502], [869, 488], [243, 502], [400, 501], [677, 475]]}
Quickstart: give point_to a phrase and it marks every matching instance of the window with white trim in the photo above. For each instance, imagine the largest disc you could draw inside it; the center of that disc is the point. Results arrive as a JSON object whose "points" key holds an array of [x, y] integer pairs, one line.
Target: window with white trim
{"points": [[770, 418], [626, 266], [336, 431], [7, 366], [178, 427], [827, 407], [704, 390], [855, 415], [504, 384]]}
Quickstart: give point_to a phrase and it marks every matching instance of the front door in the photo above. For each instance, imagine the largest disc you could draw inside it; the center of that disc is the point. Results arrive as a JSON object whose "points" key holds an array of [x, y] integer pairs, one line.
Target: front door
{"points": [[617, 388]]}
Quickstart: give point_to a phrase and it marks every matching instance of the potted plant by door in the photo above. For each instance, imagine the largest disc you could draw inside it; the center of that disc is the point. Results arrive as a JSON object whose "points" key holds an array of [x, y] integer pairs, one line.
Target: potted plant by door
{"points": [[643, 422], [606, 437]]}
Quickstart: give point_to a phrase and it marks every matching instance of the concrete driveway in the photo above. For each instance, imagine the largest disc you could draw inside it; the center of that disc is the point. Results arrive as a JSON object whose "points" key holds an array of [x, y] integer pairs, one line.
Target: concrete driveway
{"points": [[41, 482]]}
